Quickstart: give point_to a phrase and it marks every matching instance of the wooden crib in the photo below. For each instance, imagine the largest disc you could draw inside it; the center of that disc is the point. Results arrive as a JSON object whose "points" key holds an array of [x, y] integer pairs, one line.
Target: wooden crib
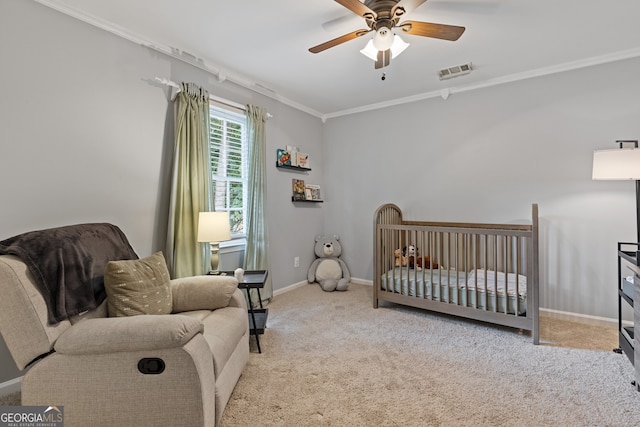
{"points": [[486, 272]]}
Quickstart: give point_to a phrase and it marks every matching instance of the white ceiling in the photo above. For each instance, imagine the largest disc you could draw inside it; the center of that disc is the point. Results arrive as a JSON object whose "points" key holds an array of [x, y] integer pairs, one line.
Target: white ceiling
{"points": [[264, 44]]}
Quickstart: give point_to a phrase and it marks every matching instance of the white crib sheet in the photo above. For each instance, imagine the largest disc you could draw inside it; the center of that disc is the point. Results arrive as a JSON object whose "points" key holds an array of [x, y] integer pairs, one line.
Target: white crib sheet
{"points": [[460, 288]]}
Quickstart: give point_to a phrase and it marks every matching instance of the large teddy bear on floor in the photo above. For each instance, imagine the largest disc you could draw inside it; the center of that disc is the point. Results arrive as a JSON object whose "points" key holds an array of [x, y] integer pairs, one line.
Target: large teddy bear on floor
{"points": [[328, 269]]}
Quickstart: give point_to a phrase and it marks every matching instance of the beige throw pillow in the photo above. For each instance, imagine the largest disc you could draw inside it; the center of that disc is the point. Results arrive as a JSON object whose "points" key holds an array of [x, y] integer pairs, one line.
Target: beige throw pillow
{"points": [[138, 286], [202, 292]]}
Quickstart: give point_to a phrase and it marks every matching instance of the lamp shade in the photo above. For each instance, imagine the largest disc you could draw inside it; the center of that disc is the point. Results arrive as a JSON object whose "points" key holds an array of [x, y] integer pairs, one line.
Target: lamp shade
{"points": [[213, 227], [398, 46], [616, 164], [370, 51], [383, 38]]}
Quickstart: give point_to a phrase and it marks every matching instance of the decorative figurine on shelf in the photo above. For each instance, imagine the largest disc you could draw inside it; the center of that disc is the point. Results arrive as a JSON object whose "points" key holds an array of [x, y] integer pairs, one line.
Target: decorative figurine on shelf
{"points": [[328, 270]]}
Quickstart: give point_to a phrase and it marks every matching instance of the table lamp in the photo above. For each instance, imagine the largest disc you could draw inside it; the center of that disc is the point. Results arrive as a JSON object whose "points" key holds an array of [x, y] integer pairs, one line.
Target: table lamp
{"points": [[213, 228], [622, 163]]}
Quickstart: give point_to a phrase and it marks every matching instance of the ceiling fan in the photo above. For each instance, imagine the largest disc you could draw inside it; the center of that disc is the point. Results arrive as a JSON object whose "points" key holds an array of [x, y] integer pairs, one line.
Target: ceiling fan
{"points": [[382, 16]]}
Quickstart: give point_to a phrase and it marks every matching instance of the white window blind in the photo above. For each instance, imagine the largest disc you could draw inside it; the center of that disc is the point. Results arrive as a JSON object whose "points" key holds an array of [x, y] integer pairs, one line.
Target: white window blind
{"points": [[228, 148]]}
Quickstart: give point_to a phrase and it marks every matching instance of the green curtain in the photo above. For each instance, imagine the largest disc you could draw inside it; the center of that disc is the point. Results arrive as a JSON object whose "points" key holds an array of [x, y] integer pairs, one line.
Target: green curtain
{"points": [[256, 254], [190, 190]]}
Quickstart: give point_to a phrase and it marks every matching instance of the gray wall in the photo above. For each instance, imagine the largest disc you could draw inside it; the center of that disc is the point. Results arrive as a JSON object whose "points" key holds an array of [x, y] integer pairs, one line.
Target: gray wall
{"points": [[486, 156], [87, 137]]}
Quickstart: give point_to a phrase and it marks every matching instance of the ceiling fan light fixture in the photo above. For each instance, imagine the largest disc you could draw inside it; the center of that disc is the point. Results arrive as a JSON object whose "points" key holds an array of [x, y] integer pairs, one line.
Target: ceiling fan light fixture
{"points": [[383, 38], [398, 46], [370, 51]]}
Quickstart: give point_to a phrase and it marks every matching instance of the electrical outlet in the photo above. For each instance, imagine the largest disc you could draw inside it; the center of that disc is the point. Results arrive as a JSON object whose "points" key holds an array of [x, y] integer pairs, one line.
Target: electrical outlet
{"points": [[296, 262]]}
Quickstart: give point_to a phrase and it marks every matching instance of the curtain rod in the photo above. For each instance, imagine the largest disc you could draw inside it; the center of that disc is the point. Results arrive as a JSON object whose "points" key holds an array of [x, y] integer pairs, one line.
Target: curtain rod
{"points": [[176, 89]]}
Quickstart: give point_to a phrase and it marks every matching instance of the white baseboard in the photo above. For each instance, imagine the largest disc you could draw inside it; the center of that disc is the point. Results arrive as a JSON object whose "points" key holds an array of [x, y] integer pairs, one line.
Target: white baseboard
{"points": [[305, 283], [10, 386], [289, 288], [547, 312], [361, 281]]}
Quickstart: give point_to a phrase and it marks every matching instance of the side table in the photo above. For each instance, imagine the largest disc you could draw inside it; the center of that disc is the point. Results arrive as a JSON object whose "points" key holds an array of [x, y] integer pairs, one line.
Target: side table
{"points": [[254, 279]]}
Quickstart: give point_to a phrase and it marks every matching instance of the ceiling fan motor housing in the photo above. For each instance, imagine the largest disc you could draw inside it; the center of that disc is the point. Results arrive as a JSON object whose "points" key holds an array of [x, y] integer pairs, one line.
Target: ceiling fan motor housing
{"points": [[381, 6], [385, 16]]}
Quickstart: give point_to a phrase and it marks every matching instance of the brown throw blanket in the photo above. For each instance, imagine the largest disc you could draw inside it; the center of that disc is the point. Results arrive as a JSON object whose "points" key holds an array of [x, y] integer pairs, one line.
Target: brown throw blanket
{"points": [[68, 264]]}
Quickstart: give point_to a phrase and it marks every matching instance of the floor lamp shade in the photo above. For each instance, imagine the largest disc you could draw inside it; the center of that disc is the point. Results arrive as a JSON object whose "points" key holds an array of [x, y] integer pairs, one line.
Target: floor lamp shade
{"points": [[620, 164], [616, 164], [213, 227]]}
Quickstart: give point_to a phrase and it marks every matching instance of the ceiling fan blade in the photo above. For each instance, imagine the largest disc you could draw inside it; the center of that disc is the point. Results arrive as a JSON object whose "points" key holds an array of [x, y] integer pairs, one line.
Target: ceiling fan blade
{"points": [[359, 8], [384, 58], [342, 23], [428, 29], [338, 40]]}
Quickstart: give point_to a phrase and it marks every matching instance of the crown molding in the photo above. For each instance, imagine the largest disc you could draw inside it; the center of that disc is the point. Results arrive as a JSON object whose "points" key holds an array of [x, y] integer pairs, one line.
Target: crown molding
{"points": [[540, 72], [201, 63], [247, 83]]}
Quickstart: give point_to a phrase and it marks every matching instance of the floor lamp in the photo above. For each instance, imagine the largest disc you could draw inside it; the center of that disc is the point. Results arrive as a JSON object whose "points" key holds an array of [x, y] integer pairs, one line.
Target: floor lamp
{"points": [[213, 228], [622, 163]]}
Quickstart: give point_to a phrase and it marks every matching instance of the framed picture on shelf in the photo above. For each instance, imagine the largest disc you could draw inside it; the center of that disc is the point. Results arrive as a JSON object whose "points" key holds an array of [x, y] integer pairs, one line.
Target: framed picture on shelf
{"points": [[283, 157], [293, 154], [302, 159], [298, 189], [313, 192]]}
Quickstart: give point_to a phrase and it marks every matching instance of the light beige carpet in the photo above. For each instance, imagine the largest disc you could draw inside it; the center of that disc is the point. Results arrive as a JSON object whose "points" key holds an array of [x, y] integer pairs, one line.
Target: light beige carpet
{"points": [[330, 359]]}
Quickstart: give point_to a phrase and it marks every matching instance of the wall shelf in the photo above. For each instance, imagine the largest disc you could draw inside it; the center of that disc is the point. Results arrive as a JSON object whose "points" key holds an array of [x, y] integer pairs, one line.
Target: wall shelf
{"points": [[293, 168], [306, 201]]}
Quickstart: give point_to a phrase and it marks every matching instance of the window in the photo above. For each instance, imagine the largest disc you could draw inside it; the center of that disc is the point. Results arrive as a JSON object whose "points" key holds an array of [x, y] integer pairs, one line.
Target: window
{"points": [[228, 149]]}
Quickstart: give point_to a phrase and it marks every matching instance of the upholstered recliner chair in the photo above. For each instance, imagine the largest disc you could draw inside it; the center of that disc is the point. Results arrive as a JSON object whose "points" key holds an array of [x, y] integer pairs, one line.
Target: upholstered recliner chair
{"points": [[109, 368]]}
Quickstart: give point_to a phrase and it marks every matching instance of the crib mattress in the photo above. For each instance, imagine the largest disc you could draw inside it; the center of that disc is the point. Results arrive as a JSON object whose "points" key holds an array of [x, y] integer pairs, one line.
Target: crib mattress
{"points": [[460, 288]]}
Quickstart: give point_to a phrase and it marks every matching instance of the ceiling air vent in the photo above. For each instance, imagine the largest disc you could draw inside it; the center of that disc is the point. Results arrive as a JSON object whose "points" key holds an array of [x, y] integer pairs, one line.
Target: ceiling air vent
{"points": [[457, 71]]}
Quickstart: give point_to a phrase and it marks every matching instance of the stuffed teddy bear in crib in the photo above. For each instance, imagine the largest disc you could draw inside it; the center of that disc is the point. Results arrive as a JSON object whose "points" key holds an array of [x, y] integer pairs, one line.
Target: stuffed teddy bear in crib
{"points": [[415, 260], [401, 260], [328, 270]]}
